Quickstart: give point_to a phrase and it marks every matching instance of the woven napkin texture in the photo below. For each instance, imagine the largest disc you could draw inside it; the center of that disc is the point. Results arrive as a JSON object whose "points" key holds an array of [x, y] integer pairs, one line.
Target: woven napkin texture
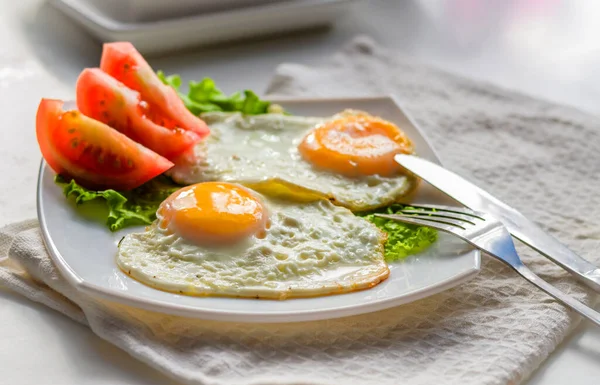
{"points": [[495, 329]]}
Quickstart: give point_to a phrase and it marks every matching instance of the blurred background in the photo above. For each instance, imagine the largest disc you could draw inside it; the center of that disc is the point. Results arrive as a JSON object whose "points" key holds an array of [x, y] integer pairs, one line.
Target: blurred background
{"points": [[549, 48]]}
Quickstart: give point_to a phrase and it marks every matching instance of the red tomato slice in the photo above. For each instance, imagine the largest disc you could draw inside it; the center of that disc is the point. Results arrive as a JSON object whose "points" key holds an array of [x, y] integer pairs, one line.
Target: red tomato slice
{"points": [[123, 62], [91, 152], [102, 97]]}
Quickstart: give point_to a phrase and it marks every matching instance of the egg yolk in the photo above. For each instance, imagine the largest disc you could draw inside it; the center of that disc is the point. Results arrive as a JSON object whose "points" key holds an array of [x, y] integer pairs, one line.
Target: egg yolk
{"points": [[356, 145], [213, 213]]}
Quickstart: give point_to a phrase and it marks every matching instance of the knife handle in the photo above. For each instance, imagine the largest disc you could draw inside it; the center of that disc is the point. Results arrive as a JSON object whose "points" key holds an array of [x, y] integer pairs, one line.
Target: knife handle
{"points": [[536, 238], [565, 299]]}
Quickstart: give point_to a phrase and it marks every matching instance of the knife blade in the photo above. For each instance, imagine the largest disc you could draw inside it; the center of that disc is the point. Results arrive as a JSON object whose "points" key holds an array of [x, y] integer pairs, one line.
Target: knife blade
{"points": [[517, 224]]}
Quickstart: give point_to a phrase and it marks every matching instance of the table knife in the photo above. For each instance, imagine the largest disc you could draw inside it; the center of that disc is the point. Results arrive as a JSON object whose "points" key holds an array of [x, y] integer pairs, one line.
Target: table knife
{"points": [[517, 224]]}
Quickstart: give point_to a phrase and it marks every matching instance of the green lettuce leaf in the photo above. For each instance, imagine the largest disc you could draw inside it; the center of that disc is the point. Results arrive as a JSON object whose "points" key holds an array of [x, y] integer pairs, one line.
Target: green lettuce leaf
{"points": [[125, 208], [403, 239], [204, 96]]}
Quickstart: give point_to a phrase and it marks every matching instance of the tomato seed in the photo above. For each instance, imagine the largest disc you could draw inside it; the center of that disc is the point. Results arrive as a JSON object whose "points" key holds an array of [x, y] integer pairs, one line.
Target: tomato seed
{"points": [[71, 130], [87, 149], [74, 143]]}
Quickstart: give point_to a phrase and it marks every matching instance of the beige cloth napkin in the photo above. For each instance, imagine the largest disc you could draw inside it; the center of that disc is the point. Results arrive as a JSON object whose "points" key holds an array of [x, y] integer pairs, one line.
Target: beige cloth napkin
{"points": [[496, 329]]}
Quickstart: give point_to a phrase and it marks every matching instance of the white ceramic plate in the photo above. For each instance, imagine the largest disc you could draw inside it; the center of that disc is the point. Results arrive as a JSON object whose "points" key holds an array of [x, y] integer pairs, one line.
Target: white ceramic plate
{"points": [[152, 37], [84, 250]]}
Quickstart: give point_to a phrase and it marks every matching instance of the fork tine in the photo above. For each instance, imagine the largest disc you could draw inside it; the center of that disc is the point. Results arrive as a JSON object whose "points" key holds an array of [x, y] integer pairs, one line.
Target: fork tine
{"points": [[449, 227], [437, 214], [445, 221], [449, 209]]}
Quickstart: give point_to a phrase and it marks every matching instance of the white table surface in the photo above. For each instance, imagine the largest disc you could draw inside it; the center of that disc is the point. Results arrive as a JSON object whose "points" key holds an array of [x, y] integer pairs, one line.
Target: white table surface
{"points": [[546, 48]]}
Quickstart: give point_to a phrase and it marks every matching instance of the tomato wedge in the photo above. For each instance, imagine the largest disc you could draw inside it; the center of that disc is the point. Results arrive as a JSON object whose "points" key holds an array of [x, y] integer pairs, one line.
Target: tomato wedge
{"points": [[123, 62], [95, 155], [102, 97]]}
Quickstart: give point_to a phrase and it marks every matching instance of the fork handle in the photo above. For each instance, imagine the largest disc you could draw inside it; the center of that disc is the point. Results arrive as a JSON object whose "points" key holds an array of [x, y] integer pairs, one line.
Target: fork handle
{"points": [[565, 299]]}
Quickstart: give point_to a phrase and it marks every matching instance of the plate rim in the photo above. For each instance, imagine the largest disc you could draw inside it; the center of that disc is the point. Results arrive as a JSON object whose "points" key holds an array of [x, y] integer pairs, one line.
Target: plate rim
{"points": [[225, 315]]}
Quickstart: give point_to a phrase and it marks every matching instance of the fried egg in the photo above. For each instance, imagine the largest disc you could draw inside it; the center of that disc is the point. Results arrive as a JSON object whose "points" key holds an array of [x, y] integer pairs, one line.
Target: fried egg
{"points": [[223, 239], [347, 158]]}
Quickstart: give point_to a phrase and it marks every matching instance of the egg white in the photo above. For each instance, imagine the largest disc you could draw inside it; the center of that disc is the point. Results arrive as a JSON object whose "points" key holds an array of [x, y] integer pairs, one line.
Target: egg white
{"points": [[261, 152], [310, 249]]}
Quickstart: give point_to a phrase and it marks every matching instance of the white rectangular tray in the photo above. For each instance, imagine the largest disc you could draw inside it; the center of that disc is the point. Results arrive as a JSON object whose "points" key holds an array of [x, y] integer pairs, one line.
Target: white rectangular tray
{"points": [[205, 28], [136, 11]]}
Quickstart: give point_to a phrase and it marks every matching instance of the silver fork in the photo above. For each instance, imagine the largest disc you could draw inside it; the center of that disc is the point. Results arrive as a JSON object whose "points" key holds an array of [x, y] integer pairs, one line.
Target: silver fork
{"points": [[489, 235]]}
